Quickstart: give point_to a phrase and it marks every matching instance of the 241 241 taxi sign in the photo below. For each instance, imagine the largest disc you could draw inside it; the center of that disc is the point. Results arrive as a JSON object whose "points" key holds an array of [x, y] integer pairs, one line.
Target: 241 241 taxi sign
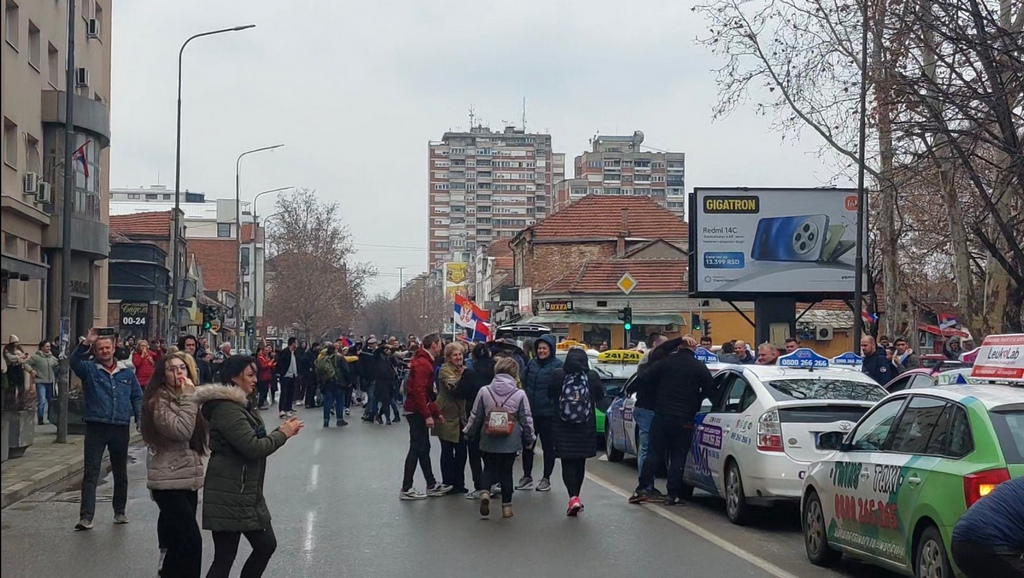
{"points": [[1001, 357]]}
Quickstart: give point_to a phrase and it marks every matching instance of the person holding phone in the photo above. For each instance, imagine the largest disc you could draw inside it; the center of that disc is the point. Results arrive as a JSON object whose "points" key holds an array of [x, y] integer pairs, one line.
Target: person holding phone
{"points": [[144, 359], [233, 500]]}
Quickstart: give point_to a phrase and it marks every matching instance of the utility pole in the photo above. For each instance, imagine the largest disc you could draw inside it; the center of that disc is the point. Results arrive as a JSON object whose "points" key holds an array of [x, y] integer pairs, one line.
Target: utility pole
{"points": [[401, 297], [67, 210]]}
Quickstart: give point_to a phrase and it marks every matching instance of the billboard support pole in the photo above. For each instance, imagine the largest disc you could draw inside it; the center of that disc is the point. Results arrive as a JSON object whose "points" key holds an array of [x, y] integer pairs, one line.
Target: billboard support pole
{"points": [[773, 310], [858, 266]]}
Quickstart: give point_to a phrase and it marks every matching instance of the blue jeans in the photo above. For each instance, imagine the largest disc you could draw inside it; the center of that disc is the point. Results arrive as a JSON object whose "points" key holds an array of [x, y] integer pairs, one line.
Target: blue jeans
{"points": [[643, 418], [371, 400], [44, 394], [334, 398]]}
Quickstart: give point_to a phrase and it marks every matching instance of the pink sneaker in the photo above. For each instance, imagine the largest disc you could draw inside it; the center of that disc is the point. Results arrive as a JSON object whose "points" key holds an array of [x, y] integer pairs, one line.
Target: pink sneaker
{"points": [[575, 507]]}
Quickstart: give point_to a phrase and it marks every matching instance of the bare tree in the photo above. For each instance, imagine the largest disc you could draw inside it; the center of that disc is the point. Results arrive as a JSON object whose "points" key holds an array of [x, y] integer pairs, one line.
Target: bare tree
{"points": [[314, 284]]}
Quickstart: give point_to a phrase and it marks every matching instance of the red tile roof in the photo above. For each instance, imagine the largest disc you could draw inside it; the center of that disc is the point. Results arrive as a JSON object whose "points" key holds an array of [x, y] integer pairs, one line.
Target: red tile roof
{"points": [[218, 259], [827, 305], [498, 248], [602, 216], [155, 224], [504, 263], [602, 276]]}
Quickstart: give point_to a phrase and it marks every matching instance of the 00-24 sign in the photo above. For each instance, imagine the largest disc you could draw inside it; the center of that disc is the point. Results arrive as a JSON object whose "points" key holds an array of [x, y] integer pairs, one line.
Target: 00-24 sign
{"points": [[133, 320]]}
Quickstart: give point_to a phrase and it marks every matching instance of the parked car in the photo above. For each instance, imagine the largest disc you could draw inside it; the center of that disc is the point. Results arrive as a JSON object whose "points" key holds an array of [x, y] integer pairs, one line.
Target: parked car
{"points": [[921, 377], [907, 472]]}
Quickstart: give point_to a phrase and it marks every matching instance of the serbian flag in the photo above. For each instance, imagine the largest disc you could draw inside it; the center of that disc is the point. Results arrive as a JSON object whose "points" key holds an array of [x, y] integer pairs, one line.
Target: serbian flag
{"points": [[346, 342], [79, 157], [868, 318], [947, 320], [471, 318]]}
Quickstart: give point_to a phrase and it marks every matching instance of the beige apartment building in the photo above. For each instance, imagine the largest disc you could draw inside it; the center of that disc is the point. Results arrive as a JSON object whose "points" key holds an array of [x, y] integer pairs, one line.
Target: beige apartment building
{"points": [[33, 64]]}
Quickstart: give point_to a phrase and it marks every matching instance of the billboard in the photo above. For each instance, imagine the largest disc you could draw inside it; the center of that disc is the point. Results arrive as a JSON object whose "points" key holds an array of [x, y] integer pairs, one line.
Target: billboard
{"points": [[456, 280], [755, 241]]}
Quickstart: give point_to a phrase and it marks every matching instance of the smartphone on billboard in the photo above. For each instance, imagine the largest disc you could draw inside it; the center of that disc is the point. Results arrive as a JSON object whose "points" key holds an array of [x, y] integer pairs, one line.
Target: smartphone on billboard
{"points": [[105, 331], [800, 238]]}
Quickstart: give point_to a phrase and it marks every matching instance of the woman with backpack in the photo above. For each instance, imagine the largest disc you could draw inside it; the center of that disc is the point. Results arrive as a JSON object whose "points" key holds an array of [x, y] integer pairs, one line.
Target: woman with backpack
{"points": [[575, 388], [475, 378], [501, 420]]}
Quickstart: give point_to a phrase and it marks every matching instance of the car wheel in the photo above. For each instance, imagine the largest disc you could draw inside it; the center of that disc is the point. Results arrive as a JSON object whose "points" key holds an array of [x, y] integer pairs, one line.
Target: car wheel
{"points": [[930, 556], [816, 533], [735, 500], [614, 455]]}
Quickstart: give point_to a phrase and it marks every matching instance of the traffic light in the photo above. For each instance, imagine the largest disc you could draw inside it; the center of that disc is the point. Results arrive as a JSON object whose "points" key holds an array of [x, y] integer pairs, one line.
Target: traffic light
{"points": [[695, 321], [626, 315], [209, 314], [707, 327]]}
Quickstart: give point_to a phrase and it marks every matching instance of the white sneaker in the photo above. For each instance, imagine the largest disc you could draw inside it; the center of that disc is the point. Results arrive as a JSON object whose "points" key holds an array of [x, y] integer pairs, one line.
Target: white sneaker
{"points": [[474, 495], [411, 494], [438, 489]]}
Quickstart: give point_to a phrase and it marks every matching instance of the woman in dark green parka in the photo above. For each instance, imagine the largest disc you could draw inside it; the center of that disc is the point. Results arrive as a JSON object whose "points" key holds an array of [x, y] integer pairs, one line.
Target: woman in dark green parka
{"points": [[233, 501]]}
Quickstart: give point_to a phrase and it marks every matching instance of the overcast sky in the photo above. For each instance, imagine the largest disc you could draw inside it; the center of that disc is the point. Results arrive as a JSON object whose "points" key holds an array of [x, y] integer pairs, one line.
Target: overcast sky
{"points": [[355, 90]]}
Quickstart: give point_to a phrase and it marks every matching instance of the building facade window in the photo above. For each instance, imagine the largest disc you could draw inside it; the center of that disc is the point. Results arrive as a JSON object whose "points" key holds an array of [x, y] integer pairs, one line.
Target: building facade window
{"points": [[35, 47], [10, 140], [224, 230], [12, 24], [53, 64]]}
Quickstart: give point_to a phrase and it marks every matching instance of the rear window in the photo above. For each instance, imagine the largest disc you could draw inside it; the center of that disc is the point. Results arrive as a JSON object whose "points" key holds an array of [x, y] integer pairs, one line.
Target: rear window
{"points": [[825, 388], [1010, 431]]}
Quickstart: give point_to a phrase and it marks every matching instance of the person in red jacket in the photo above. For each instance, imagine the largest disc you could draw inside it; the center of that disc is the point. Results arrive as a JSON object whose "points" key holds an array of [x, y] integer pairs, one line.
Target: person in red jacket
{"points": [[421, 413], [265, 365], [144, 360]]}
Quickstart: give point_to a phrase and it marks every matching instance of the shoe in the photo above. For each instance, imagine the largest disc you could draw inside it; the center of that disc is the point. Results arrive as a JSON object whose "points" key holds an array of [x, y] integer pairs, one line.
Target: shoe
{"points": [[83, 524], [348, 411], [674, 501], [366, 419], [40, 421], [639, 497], [283, 415], [438, 489], [485, 504], [327, 423], [460, 490], [475, 495], [575, 507], [264, 407], [342, 423], [506, 511], [654, 495], [120, 519], [293, 413], [496, 489], [525, 483], [544, 485], [411, 494], [380, 420], [388, 422], [398, 419]]}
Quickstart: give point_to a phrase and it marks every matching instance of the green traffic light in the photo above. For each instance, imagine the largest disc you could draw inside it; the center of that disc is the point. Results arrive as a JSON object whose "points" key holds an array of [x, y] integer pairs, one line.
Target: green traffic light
{"points": [[207, 325], [628, 326]]}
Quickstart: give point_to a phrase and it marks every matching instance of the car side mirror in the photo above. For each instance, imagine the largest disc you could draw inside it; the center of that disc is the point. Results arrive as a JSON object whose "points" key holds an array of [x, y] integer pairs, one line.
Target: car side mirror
{"points": [[845, 447]]}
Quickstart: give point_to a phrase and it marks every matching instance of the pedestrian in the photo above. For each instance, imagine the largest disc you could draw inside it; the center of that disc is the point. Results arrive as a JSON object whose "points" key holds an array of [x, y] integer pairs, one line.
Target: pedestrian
{"points": [[728, 353], [875, 365], [190, 345], [265, 375], [537, 381], [288, 373], [951, 349], [792, 344], [767, 354], [421, 414], [905, 357], [43, 366], [332, 379], [988, 540], [500, 420], [678, 384], [112, 398], [453, 409], [384, 376], [473, 380], [307, 375], [16, 358], [233, 499], [367, 372], [643, 408], [705, 342], [177, 438], [575, 388], [744, 354], [144, 361]]}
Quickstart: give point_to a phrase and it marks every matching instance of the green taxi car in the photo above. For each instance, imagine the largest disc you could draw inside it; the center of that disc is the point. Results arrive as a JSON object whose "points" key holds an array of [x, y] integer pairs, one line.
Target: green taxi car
{"points": [[908, 471]]}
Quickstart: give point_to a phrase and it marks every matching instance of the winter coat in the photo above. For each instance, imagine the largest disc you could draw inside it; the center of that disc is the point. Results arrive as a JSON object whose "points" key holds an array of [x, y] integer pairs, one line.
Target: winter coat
{"points": [[15, 367], [475, 379], [284, 361], [306, 358], [45, 366], [537, 379], [502, 390], [176, 466], [239, 445], [575, 440], [878, 368], [419, 385], [144, 364], [451, 406], [264, 368], [677, 385], [110, 397], [912, 361]]}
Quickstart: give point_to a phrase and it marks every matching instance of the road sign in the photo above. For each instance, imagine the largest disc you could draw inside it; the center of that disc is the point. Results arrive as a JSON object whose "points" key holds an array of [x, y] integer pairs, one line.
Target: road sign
{"points": [[627, 283], [247, 305], [215, 326]]}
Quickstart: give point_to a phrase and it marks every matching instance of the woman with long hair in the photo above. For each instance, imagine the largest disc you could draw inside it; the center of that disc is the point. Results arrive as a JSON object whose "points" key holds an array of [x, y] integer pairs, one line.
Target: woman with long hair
{"points": [[473, 380], [574, 389], [176, 434], [233, 501]]}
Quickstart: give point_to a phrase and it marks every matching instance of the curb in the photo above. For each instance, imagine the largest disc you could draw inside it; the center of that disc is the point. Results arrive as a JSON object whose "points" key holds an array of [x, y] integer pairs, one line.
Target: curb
{"points": [[56, 475]]}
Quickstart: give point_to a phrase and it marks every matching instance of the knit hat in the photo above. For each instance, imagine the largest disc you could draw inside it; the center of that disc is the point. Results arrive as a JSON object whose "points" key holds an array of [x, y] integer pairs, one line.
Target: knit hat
{"points": [[371, 341], [13, 339]]}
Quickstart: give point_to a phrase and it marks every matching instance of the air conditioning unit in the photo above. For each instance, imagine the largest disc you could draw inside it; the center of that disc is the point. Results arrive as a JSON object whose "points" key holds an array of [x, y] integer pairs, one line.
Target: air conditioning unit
{"points": [[44, 194], [93, 30], [823, 333], [82, 76], [31, 183]]}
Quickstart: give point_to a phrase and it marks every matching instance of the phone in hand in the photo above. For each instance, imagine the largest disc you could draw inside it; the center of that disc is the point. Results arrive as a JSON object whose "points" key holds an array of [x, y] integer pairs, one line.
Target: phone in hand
{"points": [[105, 331]]}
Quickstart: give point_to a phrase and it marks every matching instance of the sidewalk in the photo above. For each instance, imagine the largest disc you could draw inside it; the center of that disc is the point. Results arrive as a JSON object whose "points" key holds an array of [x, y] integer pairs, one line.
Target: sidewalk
{"points": [[46, 463]]}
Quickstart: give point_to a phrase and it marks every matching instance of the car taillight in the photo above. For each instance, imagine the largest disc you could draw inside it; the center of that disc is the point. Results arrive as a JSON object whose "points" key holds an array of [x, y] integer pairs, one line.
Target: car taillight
{"points": [[769, 432], [980, 484]]}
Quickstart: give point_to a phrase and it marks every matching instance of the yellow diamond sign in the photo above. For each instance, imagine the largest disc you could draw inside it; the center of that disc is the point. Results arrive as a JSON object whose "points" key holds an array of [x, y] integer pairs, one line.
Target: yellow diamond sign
{"points": [[627, 283]]}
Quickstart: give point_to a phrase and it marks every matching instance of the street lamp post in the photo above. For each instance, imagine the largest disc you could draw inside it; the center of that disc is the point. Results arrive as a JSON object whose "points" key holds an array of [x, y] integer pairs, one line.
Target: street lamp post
{"points": [[862, 198], [258, 276], [239, 326], [175, 257], [263, 281]]}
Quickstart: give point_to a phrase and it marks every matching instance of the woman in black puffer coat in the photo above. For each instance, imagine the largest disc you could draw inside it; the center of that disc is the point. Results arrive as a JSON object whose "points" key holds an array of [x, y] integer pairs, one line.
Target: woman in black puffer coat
{"points": [[574, 427], [473, 380]]}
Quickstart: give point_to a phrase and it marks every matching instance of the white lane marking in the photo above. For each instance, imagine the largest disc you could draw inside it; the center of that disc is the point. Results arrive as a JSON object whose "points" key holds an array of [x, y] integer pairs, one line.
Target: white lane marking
{"points": [[710, 537], [316, 446], [307, 541], [314, 477]]}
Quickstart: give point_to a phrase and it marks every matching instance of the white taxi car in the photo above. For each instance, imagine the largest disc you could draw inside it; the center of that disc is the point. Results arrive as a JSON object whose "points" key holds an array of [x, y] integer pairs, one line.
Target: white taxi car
{"points": [[769, 423]]}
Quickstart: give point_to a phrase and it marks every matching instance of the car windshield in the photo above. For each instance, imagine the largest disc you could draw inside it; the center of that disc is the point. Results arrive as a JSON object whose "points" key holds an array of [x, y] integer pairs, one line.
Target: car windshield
{"points": [[1009, 426], [824, 388]]}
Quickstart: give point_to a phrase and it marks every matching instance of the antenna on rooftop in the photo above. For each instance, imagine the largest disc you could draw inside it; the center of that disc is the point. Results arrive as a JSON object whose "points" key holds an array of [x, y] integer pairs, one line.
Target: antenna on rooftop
{"points": [[472, 116], [524, 114]]}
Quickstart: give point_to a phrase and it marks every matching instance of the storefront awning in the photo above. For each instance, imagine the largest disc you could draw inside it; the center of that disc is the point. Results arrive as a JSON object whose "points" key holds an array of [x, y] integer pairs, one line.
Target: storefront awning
{"points": [[948, 332], [610, 318]]}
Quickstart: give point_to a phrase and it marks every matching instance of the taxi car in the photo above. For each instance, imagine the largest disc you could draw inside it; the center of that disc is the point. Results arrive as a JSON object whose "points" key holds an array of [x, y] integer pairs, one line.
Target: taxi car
{"points": [[918, 378], [903, 477]]}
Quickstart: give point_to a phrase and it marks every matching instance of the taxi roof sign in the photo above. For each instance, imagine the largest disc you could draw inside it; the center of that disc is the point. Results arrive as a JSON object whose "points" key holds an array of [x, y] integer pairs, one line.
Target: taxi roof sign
{"points": [[848, 358], [620, 356], [803, 358], [702, 354], [1001, 357]]}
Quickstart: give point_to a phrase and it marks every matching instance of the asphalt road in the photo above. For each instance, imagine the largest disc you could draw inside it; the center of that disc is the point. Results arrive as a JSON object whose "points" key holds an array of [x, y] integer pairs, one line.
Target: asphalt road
{"points": [[334, 497]]}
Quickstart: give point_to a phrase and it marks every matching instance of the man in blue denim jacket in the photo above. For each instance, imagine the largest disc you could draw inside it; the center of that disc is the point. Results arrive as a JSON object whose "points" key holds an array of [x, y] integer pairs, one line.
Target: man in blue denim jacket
{"points": [[112, 397]]}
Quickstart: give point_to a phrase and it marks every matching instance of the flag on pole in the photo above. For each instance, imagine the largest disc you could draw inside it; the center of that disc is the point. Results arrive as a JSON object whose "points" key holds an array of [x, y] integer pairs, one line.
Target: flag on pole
{"points": [[79, 157], [868, 318], [947, 320], [468, 315]]}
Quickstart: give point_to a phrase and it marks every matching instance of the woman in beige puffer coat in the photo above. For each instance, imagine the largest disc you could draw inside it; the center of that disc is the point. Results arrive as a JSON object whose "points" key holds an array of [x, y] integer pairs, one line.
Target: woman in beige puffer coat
{"points": [[177, 436]]}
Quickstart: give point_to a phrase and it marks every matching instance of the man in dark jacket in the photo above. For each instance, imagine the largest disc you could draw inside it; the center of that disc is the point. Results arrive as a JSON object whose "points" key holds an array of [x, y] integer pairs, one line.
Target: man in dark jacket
{"points": [[679, 384], [905, 357], [112, 397], [728, 353], [421, 413], [333, 387], [536, 382], [988, 541], [875, 365], [288, 370], [368, 377]]}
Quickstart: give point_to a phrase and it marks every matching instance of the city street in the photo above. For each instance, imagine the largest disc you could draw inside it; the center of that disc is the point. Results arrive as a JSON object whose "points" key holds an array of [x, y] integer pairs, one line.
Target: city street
{"points": [[333, 494]]}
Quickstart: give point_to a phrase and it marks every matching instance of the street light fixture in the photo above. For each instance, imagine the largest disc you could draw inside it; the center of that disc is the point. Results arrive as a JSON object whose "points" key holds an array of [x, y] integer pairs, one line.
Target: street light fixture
{"points": [[258, 277], [238, 236], [175, 257]]}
